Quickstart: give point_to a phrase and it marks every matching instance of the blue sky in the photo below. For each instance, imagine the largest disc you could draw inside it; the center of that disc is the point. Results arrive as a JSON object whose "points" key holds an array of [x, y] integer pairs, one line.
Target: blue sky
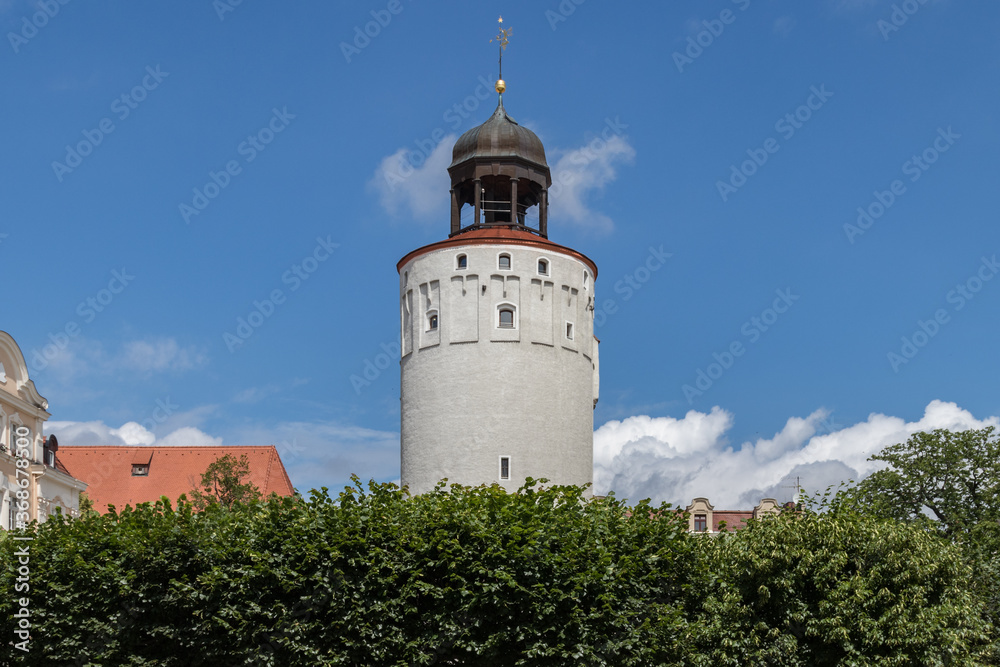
{"points": [[169, 171]]}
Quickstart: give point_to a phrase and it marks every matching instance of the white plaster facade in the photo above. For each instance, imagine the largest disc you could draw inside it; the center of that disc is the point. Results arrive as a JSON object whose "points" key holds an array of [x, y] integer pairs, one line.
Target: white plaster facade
{"points": [[475, 392], [23, 413]]}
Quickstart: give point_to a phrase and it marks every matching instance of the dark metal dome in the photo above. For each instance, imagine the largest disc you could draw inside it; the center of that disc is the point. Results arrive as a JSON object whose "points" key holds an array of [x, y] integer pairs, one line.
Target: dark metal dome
{"points": [[499, 136]]}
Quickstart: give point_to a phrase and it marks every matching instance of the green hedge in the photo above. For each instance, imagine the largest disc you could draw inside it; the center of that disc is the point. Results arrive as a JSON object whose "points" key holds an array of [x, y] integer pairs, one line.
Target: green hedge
{"points": [[482, 577]]}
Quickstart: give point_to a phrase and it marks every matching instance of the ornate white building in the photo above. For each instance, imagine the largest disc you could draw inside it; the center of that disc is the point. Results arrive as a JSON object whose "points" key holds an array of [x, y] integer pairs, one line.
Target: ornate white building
{"points": [[499, 369], [40, 481]]}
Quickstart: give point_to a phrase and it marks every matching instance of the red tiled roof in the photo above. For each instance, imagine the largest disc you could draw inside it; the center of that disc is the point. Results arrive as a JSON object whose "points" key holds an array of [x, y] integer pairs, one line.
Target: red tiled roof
{"points": [[172, 471], [498, 235]]}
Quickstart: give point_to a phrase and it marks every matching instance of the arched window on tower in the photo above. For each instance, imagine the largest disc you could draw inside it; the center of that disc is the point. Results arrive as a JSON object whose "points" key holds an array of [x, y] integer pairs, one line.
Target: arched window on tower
{"points": [[506, 317], [461, 262], [504, 262], [543, 267], [432, 320]]}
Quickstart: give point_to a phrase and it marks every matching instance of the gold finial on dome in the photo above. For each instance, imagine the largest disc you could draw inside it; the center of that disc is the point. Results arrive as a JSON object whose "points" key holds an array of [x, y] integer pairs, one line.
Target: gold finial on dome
{"points": [[502, 38]]}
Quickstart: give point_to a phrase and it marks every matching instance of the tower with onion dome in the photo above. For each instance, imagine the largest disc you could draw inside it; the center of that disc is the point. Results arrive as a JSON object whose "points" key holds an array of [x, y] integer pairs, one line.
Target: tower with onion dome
{"points": [[499, 368]]}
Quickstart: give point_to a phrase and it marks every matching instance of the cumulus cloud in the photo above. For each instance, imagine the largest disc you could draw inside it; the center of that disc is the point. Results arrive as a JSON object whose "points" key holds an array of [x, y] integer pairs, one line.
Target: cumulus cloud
{"points": [[581, 173], [414, 183], [129, 434], [676, 460]]}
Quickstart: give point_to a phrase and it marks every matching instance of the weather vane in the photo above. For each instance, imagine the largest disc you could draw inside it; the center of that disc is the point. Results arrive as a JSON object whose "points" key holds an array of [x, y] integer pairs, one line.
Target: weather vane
{"points": [[502, 38]]}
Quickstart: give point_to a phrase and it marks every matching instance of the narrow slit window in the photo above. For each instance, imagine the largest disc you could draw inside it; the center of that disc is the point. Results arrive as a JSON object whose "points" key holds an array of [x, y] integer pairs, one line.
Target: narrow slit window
{"points": [[504, 467], [569, 330]]}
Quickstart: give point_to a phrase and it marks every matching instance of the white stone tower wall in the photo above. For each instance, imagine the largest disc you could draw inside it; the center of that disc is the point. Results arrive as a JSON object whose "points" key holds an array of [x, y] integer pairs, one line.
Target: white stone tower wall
{"points": [[472, 391]]}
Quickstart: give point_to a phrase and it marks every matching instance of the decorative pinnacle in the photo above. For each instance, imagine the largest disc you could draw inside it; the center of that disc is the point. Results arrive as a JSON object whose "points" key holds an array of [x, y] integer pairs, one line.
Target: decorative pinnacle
{"points": [[502, 38]]}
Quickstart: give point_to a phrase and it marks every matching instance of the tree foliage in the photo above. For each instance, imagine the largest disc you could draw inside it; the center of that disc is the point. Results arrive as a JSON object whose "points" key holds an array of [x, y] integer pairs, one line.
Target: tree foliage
{"points": [[948, 482], [953, 476], [467, 576], [479, 576], [222, 482], [812, 589]]}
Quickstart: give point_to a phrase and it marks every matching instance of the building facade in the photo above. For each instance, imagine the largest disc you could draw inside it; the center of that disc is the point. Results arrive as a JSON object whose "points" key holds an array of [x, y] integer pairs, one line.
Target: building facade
{"points": [[33, 480], [704, 518], [500, 366]]}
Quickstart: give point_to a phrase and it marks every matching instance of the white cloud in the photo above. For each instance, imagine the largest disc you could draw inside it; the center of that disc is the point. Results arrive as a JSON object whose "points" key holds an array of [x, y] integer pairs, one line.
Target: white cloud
{"points": [[129, 434], [158, 355], [412, 183], [680, 459], [188, 436], [581, 172]]}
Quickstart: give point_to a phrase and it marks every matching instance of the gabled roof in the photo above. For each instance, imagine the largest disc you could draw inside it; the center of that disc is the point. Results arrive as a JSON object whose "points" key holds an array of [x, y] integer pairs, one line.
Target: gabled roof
{"points": [[172, 471]]}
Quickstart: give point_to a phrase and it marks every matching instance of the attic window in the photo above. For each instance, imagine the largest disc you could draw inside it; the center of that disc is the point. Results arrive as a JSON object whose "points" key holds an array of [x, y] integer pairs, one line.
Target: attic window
{"points": [[140, 469]]}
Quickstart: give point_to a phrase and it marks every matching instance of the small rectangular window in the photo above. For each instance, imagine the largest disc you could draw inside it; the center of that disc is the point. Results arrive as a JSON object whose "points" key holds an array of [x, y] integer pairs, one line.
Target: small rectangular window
{"points": [[569, 330], [700, 523], [504, 467], [140, 470]]}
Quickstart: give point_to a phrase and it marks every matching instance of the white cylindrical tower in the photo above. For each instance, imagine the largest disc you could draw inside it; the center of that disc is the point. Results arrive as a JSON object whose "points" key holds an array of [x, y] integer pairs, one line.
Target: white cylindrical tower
{"points": [[499, 369]]}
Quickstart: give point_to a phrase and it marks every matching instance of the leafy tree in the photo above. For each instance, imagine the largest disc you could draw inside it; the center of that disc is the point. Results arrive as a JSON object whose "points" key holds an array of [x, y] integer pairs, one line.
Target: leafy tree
{"points": [[222, 482], [952, 476], [86, 504], [816, 589]]}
